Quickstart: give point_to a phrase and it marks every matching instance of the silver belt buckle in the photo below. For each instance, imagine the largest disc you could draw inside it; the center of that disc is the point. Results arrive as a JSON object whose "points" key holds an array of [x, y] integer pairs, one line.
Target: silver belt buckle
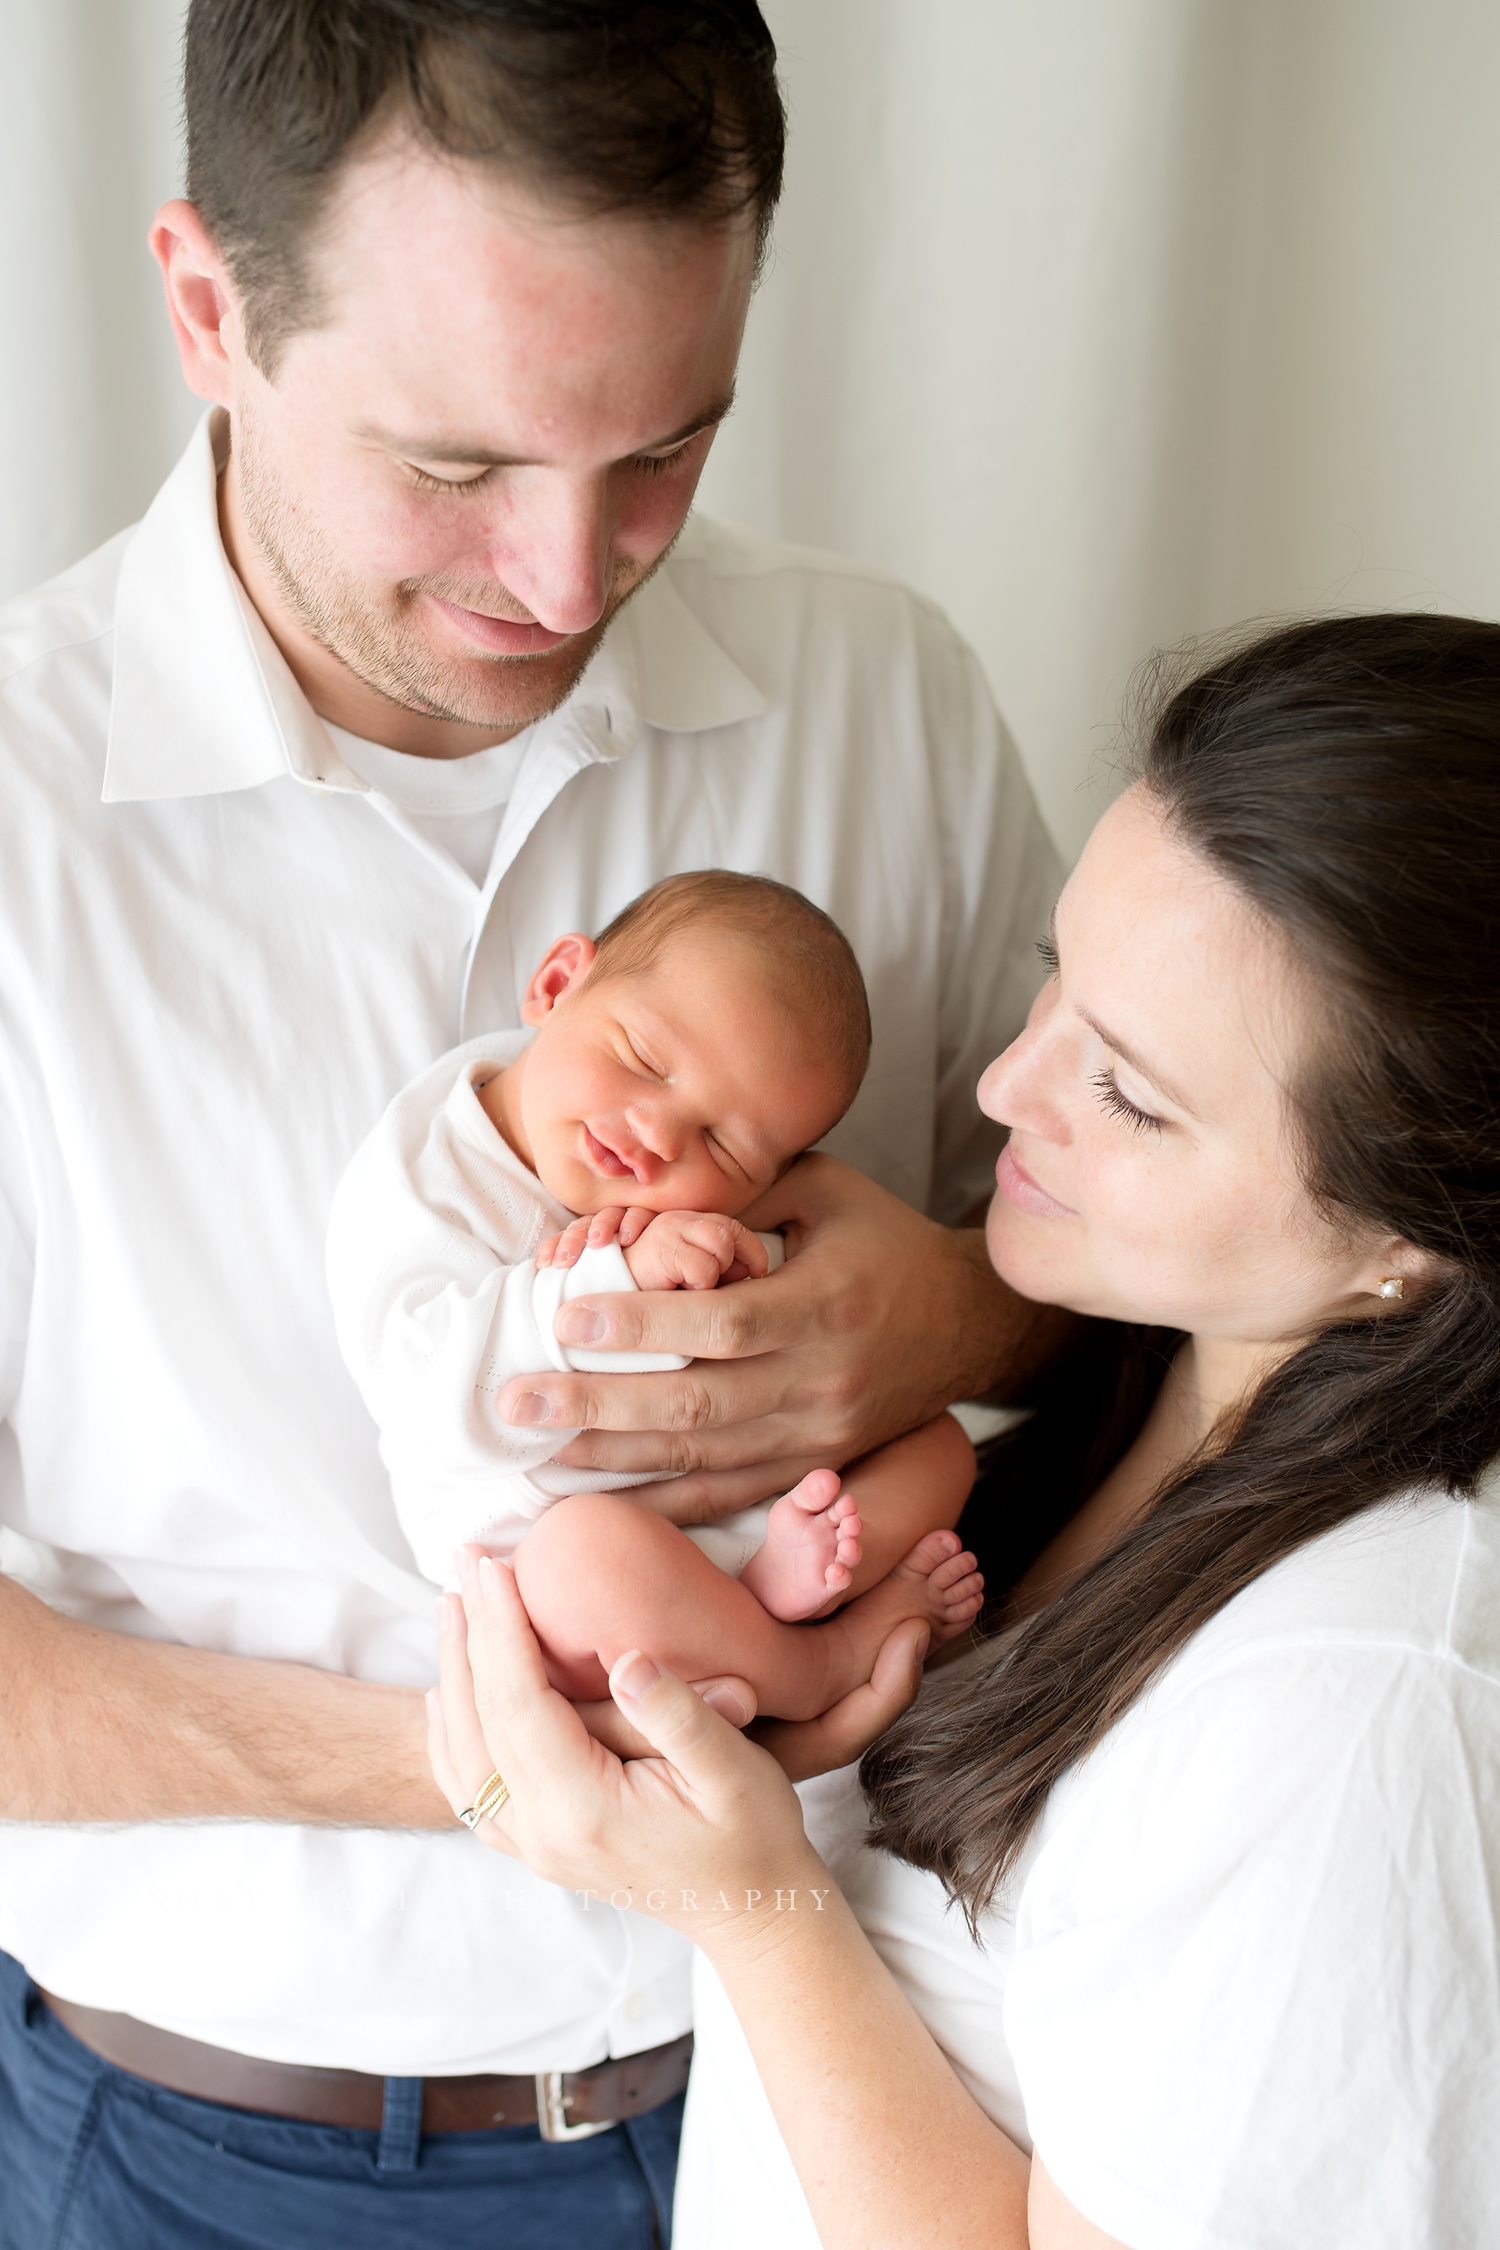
{"points": [[552, 2106]]}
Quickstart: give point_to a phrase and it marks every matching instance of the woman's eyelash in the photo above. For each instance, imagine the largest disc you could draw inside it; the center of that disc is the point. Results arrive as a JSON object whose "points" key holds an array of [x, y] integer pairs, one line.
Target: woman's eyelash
{"points": [[1047, 952], [1139, 1120]]}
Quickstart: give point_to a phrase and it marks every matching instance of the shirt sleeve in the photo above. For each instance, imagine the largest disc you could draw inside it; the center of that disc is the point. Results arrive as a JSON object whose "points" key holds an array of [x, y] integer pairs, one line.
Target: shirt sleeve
{"points": [[1001, 876], [1254, 1999]]}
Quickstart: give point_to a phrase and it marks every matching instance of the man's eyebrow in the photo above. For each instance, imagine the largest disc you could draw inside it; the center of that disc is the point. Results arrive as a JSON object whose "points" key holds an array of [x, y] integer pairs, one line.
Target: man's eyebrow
{"points": [[1128, 1055], [457, 449]]}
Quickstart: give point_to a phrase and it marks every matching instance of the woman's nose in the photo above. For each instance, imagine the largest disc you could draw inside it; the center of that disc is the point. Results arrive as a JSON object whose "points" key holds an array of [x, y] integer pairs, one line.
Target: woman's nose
{"points": [[1016, 1090]]}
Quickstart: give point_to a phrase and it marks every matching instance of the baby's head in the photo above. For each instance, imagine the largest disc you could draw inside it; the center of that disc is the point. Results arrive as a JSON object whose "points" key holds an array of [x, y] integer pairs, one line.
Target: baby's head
{"points": [[715, 1030]]}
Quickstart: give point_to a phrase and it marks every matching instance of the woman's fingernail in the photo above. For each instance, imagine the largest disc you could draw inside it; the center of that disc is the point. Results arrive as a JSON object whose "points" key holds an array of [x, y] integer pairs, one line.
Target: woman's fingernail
{"points": [[577, 1325], [530, 1407], [634, 1674], [728, 1705], [922, 1644], [487, 1577]]}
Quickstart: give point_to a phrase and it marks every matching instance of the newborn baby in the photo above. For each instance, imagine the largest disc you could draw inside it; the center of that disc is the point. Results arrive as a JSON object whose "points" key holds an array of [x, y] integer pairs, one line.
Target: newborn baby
{"points": [[671, 1074]]}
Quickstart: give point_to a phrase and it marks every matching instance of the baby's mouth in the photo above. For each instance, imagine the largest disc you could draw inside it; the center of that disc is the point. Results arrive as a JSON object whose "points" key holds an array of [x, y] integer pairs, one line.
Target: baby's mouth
{"points": [[604, 1159]]}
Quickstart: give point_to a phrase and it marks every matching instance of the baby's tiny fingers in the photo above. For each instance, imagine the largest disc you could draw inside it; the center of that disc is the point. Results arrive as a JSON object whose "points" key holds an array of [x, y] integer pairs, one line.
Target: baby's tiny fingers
{"points": [[634, 1224]]}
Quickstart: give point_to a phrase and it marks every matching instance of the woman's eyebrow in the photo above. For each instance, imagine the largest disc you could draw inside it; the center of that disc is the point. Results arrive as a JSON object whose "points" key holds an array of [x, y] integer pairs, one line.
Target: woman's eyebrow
{"points": [[1128, 1055]]}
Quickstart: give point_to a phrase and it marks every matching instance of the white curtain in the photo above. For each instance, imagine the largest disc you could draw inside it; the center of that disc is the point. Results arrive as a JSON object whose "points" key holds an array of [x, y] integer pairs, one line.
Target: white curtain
{"points": [[1102, 321]]}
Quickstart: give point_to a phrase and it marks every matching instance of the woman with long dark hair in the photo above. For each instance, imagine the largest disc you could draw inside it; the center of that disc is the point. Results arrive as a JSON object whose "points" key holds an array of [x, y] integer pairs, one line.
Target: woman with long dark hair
{"points": [[1179, 1889]]}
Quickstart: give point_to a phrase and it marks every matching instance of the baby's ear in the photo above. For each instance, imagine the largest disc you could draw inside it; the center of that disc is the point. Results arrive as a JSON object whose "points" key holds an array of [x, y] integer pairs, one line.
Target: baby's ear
{"points": [[566, 962]]}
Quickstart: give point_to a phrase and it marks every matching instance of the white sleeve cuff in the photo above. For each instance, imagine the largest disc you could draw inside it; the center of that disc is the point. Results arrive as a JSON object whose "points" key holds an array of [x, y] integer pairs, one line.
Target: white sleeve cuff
{"points": [[601, 1272]]}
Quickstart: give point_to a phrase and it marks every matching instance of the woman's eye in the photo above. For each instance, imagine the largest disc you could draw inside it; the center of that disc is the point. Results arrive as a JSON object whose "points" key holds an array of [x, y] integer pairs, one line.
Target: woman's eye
{"points": [[1047, 954], [1139, 1120]]}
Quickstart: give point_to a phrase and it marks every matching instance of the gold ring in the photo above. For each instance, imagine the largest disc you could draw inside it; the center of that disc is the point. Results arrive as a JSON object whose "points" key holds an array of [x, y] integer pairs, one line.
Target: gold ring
{"points": [[487, 1803]]}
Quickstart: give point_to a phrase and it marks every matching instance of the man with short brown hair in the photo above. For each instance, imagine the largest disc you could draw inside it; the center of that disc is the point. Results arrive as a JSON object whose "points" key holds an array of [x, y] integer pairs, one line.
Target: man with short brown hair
{"points": [[412, 663]]}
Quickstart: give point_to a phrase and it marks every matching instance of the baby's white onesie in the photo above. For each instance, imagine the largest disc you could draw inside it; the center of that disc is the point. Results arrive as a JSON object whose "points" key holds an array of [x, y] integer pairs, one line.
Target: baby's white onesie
{"points": [[438, 1302]]}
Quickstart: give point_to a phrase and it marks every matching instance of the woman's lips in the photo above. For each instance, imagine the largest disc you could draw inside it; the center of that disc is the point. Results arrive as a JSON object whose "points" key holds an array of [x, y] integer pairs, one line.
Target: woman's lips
{"points": [[1018, 1187], [604, 1159], [503, 634]]}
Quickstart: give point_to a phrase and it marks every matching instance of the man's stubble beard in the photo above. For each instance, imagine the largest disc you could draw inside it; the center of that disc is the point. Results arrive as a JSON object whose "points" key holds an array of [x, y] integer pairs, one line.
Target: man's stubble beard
{"points": [[383, 652]]}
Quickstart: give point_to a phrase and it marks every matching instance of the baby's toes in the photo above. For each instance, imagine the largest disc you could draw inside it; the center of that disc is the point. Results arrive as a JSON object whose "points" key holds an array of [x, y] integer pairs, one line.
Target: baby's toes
{"points": [[836, 1577], [963, 1599], [947, 1574], [818, 1494], [931, 1553]]}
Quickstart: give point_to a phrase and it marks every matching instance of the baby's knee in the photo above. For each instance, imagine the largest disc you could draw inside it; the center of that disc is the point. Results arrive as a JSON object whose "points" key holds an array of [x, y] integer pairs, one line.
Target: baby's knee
{"points": [[579, 1550]]}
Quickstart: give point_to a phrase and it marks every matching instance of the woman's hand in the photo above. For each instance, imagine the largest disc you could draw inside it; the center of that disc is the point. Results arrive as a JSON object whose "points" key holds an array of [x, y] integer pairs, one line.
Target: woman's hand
{"points": [[700, 1833]]}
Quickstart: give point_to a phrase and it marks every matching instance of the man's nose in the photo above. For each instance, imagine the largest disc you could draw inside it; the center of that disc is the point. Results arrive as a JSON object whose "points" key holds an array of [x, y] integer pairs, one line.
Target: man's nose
{"points": [[554, 550]]}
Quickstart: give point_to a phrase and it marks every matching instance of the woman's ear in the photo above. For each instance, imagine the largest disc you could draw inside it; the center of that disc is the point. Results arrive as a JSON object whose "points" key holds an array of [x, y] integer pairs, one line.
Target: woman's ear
{"points": [[1399, 1273], [566, 962]]}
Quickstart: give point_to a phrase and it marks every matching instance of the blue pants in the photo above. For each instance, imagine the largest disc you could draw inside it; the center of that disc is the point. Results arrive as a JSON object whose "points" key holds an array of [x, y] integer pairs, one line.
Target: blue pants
{"points": [[92, 2158]]}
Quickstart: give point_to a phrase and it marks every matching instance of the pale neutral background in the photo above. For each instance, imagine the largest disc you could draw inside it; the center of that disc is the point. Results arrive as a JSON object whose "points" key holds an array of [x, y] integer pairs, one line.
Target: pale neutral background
{"points": [[1102, 321]]}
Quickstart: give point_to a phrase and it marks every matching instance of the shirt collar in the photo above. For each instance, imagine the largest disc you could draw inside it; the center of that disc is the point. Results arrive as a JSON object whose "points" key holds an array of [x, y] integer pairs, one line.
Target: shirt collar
{"points": [[204, 702]]}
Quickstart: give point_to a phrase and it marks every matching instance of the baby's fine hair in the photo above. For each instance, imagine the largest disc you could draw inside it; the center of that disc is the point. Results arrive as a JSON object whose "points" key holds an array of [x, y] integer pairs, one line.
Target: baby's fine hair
{"points": [[807, 958]]}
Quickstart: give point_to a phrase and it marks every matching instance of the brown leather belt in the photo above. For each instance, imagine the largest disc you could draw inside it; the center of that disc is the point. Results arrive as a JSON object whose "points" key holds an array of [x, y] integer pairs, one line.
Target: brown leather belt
{"points": [[565, 2104]]}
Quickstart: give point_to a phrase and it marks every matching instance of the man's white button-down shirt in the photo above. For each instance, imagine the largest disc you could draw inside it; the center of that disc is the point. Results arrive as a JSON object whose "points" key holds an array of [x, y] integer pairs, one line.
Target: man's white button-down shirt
{"points": [[222, 952]]}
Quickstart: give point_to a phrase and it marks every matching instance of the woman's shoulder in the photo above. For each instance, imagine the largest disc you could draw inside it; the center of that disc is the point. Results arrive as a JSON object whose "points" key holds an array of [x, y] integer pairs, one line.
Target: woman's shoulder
{"points": [[1366, 1663], [1416, 1576]]}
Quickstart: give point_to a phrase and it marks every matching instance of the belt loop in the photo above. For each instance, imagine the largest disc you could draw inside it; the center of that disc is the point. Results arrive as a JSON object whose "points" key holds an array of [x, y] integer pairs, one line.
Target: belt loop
{"points": [[400, 2126]]}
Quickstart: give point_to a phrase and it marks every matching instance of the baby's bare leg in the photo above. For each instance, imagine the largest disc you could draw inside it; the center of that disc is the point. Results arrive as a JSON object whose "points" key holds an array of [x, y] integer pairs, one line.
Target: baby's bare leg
{"points": [[917, 1483], [600, 1576]]}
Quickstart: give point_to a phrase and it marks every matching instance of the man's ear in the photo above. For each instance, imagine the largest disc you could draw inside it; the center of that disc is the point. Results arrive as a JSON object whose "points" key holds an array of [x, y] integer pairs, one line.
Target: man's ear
{"points": [[566, 962], [201, 300]]}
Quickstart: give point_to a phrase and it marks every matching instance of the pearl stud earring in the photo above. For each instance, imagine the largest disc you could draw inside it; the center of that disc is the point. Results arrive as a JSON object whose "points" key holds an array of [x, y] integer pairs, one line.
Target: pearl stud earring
{"points": [[1393, 1286]]}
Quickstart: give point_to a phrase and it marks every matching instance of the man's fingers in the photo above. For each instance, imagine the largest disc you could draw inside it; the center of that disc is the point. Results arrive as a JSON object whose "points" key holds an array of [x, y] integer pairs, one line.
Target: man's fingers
{"points": [[735, 1321], [846, 1730], [694, 1399], [703, 1495]]}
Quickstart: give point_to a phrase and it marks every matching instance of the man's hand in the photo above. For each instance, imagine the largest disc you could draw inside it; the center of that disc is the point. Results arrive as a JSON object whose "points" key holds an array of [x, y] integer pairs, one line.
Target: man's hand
{"points": [[878, 1320]]}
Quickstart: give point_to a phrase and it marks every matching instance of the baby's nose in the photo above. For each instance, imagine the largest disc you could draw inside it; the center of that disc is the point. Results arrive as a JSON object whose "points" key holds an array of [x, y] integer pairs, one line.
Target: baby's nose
{"points": [[658, 1131]]}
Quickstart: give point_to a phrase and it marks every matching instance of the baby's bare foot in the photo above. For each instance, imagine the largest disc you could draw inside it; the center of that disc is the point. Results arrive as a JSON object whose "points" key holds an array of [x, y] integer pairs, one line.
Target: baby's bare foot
{"points": [[811, 1551], [937, 1580]]}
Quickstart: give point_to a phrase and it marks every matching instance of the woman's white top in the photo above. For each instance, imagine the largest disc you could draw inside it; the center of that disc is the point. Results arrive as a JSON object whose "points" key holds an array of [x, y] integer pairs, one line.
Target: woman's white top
{"points": [[1243, 1990]]}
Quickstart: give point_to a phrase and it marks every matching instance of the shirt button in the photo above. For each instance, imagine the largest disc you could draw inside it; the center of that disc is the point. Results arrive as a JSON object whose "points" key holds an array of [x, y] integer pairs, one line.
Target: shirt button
{"points": [[635, 2005]]}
